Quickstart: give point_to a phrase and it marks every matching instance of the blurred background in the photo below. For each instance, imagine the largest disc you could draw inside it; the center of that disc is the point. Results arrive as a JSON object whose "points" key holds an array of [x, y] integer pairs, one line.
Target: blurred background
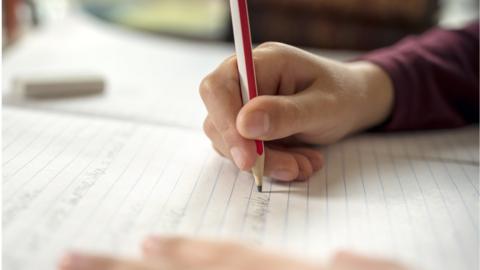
{"points": [[153, 54], [332, 24]]}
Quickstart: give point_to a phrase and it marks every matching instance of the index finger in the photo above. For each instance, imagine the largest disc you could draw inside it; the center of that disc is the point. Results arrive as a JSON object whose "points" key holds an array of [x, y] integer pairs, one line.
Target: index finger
{"points": [[220, 91]]}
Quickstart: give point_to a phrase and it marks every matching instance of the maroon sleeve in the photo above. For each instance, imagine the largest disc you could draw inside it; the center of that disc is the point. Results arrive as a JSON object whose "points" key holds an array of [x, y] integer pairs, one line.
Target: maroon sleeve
{"points": [[435, 79]]}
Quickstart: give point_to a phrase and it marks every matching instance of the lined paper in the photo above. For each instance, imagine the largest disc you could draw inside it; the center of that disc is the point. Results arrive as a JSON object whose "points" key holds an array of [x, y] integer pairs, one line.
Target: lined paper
{"points": [[103, 185]]}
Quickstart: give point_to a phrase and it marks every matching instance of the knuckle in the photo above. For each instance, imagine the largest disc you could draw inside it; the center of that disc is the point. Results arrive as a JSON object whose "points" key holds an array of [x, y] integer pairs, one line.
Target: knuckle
{"points": [[228, 131], [295, 112], [231, 61], [271, 52], [270, 45], [230, 137], [232, 87], [208, 127], [207, 86], [213, 83]]}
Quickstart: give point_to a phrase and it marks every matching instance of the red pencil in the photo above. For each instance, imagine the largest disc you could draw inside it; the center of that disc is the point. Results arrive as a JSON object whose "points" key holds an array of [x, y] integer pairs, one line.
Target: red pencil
{"points": [[246, 70]]}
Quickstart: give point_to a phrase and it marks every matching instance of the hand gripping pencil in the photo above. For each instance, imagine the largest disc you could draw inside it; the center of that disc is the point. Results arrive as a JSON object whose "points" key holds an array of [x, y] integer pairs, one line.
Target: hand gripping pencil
{"points": [[246, 70]]}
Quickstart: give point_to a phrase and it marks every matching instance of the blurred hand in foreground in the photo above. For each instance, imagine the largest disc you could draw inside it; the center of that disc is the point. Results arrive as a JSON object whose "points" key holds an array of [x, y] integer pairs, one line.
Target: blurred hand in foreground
{"points": [[164, 253]]}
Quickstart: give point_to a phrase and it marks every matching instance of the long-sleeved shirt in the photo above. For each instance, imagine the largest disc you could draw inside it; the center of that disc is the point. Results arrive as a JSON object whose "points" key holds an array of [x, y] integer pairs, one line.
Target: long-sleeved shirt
{"points": [[435, 79]]}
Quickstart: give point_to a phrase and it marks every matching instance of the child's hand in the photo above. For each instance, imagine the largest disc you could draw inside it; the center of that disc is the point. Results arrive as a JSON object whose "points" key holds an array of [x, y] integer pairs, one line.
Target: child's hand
{"points": [[305, 99], [164, 253]]}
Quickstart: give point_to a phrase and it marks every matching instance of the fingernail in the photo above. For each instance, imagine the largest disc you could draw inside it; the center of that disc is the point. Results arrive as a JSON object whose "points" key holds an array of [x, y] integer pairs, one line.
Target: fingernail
{"points": [[301, 176], [317, 163], [282, 174], [258, 124], [238, 157], [73, 261]]}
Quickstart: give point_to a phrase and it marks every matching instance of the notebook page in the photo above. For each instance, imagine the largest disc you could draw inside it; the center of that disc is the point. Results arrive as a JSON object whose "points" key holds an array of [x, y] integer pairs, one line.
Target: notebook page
{"points": [[103, 185]]}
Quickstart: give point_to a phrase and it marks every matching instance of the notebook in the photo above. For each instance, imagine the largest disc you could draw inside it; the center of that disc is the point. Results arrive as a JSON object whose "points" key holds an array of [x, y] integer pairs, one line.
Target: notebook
{"points": [[98, 184]]}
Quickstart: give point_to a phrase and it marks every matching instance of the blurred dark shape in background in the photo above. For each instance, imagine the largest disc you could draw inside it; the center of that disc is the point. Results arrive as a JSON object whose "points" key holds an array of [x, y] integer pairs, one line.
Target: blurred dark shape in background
{"points": [[17, 15], [333, 24], [197, 19], [340, 24], [9, 20]]}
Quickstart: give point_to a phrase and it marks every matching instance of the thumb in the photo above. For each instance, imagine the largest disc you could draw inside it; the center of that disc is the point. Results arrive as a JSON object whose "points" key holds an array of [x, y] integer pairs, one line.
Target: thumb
{"points": [[273, 117]]}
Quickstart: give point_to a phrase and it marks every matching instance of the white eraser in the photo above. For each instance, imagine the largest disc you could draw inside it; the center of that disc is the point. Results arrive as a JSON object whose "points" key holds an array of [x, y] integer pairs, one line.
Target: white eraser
{"points": [[61, 85]]}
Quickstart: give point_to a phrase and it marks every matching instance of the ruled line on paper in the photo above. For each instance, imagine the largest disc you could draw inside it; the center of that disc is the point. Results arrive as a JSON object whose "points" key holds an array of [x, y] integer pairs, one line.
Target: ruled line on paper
{"points": [[406, 203], [121, 203], [344, 180], [37, 172], [307, 220], [442, 255], [177, 213], [190, 195], [164, 205], [10, 211], [327, 212], [36, 218], [386, 203], [242, 227], [19, 132], [26, 146], [47, 212], [454, 146], [158, 177], [224, 214], [285, 221], [441, 179], [448, 212], [365, 200], [204, 210]]}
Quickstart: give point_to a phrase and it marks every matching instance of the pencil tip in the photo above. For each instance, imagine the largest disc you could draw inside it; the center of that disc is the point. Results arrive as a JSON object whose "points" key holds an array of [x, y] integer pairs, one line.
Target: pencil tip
{"points": [[259, 188]]}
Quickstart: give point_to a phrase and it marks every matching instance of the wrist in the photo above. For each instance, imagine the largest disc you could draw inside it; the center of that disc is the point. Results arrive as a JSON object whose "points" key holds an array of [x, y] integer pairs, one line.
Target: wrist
{"points": [[374, 95]]}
